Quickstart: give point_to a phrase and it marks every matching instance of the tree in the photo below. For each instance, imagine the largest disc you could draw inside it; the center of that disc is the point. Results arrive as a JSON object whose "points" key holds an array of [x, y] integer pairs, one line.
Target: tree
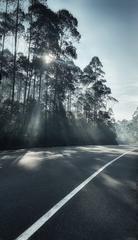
{"points": [[49, 99], [6, 27], [19, 18], [97, 93]]}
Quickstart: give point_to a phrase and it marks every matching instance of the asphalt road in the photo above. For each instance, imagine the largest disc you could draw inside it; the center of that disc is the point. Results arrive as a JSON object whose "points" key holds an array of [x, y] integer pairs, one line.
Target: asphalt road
{"points": [[33, 181]]}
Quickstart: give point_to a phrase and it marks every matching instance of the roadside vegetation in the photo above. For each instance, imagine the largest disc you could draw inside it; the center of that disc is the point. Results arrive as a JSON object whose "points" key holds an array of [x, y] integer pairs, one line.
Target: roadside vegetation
{"points": [[127, 130]]}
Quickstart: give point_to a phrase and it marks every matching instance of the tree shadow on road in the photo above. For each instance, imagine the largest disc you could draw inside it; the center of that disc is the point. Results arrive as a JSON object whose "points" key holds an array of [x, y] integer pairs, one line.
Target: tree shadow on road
{"points": [[39, 178]]}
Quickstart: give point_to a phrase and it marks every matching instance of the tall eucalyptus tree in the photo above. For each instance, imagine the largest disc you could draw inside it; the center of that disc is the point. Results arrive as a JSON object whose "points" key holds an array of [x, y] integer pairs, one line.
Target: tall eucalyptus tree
{"points": [[6, 28], [18, 16], [97, 93]]}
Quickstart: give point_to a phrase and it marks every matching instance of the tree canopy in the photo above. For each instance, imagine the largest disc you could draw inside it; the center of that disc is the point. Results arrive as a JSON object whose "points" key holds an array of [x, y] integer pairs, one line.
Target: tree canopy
{"points": [[45, 98]]}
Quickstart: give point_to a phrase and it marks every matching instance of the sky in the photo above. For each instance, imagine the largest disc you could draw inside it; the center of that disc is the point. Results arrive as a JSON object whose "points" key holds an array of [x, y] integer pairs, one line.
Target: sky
{"points": [[109, 30]]}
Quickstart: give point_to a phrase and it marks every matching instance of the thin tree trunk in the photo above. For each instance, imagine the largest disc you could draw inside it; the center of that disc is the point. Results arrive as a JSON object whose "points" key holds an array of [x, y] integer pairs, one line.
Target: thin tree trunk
{"points": [[29, 86], [15, 52], [3, 42], [46, 100], [29, 52], [68, 105], [69, 101], [55, 98], [34, 86], [19, 90], [40, 84]]}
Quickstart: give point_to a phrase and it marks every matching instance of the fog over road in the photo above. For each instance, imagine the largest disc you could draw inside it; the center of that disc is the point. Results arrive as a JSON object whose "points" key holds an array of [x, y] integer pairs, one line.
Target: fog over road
{"points": [[32, 181]]}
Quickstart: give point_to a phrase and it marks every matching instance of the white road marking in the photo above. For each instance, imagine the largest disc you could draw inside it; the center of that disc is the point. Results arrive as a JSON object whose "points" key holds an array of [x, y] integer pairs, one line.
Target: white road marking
{"points": [[41, 221]]}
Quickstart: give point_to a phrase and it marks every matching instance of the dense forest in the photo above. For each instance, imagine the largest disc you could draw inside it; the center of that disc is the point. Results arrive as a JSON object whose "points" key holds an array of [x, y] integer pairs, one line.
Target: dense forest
{"points": [[45, 99]]}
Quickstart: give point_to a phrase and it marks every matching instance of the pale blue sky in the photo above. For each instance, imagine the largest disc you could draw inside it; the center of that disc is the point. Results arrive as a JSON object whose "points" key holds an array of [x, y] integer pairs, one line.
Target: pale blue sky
{"points": [[109, 29]]}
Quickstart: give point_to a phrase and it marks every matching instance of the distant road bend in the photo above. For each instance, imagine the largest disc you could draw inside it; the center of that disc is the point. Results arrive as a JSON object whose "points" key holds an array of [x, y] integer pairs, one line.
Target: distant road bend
{"points": [[68, 193]]}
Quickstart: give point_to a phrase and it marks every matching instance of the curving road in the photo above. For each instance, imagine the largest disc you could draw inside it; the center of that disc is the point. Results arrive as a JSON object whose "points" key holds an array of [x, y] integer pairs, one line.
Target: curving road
{"points": [[94, 186]]}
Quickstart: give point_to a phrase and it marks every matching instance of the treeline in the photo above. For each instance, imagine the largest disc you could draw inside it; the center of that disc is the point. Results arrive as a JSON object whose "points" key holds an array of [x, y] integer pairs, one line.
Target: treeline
{"points": [[127, 130], [45, 99]]}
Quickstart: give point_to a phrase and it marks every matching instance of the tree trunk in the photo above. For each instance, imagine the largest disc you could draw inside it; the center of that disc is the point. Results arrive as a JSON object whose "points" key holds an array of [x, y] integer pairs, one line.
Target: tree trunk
{"points": [[15, 51], [34, 85], [3, 41], [29, 85], [46, 100], [40, 84], [28, 69], [19, 90]]}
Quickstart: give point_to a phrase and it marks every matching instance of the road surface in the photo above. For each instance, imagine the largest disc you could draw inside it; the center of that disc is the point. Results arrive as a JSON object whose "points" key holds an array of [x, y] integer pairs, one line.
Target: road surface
{"points": [[68, 193]]}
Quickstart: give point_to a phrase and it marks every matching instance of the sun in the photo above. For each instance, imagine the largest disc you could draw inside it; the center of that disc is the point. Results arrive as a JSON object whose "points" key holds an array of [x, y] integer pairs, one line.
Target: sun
{"points": [[48, 58]]}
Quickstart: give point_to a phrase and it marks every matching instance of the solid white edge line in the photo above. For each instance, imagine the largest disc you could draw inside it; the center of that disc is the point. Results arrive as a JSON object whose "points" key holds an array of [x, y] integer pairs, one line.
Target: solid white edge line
{"points": [[42, 220]]}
